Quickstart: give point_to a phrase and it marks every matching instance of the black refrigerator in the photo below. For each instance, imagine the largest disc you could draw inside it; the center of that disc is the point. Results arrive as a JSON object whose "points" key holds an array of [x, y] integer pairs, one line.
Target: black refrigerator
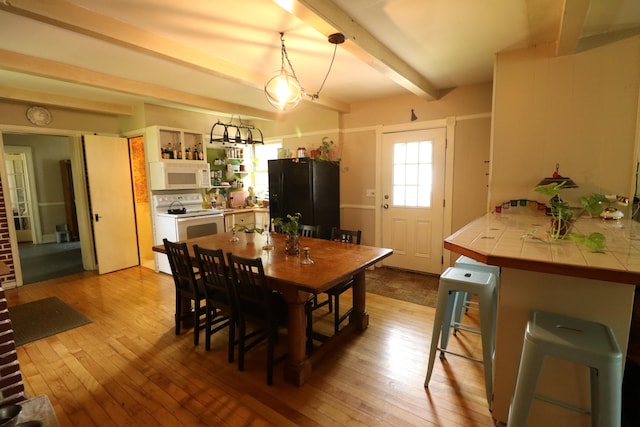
{"points": [[308, 186]]}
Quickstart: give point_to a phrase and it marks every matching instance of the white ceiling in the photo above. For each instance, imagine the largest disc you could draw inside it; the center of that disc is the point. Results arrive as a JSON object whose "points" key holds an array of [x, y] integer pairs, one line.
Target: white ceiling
{"points": [[214, 55]]}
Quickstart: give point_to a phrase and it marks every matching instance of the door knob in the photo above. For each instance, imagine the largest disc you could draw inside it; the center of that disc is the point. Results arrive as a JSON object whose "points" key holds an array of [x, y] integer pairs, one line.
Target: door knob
{"points": [[386, 206], [97, 217]]}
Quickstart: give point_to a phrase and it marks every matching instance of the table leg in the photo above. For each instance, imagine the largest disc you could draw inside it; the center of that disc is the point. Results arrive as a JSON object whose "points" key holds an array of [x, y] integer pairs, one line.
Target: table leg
{"points": [[298, 368], [359, 315]]}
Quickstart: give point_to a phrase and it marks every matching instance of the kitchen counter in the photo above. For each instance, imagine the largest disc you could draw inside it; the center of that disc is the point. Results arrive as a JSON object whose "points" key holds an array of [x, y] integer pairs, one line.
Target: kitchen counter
{"points": [[557, 276]]}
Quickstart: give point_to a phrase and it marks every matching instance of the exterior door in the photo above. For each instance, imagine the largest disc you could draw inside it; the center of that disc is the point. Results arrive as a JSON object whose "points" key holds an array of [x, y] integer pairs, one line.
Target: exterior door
{"points": [[413, 198], [111, 202]]}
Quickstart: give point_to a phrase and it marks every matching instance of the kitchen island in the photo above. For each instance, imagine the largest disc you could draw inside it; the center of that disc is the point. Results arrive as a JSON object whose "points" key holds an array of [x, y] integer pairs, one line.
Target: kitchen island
{"points": [[557, 276]]}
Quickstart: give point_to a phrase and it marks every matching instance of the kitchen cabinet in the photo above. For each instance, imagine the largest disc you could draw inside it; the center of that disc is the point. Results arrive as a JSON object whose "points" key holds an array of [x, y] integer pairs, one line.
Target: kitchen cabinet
{"points": [[162, 143], [247, 219], [258, 218]]}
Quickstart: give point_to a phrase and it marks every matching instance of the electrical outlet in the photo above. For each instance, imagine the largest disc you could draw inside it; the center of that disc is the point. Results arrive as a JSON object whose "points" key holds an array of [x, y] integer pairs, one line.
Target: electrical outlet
{"points": [[370, 193]]}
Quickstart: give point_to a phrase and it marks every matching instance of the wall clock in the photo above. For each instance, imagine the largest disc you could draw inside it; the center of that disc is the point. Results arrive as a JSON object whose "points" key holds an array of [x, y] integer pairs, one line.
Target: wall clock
{"points": [[39, 116]]}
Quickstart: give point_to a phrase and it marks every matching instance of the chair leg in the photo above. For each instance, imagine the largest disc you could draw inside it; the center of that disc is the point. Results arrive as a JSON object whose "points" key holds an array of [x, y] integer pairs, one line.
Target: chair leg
{"points": [[271, 342], [232, 338], [435, 335], [178, 312], [207, 328], [196, 323], [452, 299], [336, 315]]}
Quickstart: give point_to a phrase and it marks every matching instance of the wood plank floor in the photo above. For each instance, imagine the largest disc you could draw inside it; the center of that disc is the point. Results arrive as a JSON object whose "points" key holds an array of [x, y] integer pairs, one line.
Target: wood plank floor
{"points": [[129, 368]]}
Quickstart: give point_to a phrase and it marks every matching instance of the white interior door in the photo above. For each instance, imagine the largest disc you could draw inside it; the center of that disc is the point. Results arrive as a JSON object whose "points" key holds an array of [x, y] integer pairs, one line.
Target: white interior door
{"points": [[413, 198], [19, 167], [111, 202]]}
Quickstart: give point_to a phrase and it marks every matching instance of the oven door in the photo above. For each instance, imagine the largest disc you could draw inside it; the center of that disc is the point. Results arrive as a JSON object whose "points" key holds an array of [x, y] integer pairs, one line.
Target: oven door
{"points": [[191, 227]]}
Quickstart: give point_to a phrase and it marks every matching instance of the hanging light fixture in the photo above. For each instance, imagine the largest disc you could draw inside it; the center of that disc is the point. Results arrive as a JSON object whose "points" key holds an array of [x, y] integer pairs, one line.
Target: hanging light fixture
{"points": [[283, 90]]}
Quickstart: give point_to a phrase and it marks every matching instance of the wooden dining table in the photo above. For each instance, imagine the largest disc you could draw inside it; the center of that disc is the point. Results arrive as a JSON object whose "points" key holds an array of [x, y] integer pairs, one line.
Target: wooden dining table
{"points": [[333, 263]]}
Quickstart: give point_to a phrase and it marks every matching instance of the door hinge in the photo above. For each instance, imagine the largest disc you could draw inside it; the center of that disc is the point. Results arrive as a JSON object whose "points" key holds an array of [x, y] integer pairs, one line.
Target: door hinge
{"points": [[444, 202]]}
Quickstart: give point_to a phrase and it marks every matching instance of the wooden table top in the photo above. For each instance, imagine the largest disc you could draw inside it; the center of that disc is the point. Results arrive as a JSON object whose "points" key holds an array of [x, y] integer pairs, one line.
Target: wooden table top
{"points": [[497, 239], [334, 262]]}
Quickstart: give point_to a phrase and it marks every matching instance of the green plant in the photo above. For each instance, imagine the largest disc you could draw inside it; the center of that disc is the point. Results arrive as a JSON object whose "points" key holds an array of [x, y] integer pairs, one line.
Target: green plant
{"points": [[290, 225], [595, 203], [561, 213], [247, 229], [594, 241]]}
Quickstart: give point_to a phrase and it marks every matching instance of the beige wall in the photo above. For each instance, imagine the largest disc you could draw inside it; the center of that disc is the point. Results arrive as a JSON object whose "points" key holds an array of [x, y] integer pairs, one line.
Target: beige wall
{"points": [[355, 136], [578, 111]]}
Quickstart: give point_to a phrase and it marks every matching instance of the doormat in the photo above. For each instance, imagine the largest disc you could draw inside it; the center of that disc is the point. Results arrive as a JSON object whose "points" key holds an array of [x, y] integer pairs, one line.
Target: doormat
{"points": [[32, 321], [417, 288]]}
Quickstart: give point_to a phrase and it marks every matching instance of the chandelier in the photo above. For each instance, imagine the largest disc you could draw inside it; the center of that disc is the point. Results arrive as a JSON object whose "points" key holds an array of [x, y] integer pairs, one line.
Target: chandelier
{"points": [[283, 90]]}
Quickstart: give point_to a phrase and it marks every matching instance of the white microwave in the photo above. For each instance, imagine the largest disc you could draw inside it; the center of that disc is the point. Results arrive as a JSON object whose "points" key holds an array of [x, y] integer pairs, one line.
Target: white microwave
{"points": [[179, 175]]}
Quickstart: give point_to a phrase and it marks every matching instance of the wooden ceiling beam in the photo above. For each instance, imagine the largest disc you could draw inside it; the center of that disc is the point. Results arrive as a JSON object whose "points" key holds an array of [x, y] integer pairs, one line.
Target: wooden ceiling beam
{"points": [[572, 22], [68, 102], [17, 62], [66, 15], [327, 18]]}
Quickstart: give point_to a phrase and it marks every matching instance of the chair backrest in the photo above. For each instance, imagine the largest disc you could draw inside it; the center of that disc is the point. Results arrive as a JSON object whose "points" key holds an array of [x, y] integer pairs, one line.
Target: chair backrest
{"points": [[214, 275], [249, 288], [309, 230], [181, 267], [347, 236]]}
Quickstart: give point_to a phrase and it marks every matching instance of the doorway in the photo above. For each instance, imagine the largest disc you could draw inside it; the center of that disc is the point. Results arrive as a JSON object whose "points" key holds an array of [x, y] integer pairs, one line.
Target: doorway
{"points": [[413, 188], [50, 253]]}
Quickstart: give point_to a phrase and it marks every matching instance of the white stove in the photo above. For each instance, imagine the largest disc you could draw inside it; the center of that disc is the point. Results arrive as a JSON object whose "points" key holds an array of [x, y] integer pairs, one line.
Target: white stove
{"points": [[179, 216]]}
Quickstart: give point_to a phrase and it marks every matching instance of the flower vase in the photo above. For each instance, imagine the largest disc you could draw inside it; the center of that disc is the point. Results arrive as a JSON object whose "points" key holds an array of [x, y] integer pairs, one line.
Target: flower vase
{"points": [[250, 237], [292, 244]]}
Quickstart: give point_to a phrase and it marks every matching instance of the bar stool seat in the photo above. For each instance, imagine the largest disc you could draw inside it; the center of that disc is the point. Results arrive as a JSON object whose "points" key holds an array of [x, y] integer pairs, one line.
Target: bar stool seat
{"points": [[581, 341], [457, 280]]}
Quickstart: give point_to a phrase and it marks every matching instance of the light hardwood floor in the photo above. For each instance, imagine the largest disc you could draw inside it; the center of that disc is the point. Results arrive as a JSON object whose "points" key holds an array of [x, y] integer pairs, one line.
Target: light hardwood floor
{"points": [[128, 368]]}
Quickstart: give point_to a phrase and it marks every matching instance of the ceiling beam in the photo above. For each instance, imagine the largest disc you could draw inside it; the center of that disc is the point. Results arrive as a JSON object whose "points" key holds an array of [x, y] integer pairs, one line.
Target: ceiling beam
{"points": [[18, 62], [69, 102], [66, 15], [327, 18], [572, 22]]}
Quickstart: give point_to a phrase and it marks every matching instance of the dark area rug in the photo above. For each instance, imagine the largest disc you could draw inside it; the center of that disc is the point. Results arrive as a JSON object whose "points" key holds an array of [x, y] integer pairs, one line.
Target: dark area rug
{"points": [[407, 286], [39, 319]]}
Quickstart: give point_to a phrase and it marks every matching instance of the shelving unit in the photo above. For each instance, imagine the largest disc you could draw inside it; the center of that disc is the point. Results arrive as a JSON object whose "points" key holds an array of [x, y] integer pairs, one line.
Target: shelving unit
{"points": [[163, 143], [228, 165]]}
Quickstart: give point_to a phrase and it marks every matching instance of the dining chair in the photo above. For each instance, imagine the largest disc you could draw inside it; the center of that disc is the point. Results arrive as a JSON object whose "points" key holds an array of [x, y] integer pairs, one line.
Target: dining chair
{"points": [[187, 286], [257, 305], [309, 230], [350, 237], [217, 287]]}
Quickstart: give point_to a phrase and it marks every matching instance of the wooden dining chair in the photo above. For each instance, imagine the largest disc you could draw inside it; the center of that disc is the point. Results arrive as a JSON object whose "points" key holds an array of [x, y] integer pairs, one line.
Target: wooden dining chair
{"points": [[350, 237], [257, 306], [217, 287], [309, 230], [187, 286]]}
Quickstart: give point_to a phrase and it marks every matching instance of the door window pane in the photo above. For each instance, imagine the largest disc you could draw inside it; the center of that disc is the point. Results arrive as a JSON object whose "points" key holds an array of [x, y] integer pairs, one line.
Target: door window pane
{"points": [[412, 173]]}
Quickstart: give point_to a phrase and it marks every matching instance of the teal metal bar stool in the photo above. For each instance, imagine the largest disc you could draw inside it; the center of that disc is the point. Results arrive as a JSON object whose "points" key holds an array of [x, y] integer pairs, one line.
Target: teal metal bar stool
{"points": [[580, 341], [457, 280], [463, 300]]}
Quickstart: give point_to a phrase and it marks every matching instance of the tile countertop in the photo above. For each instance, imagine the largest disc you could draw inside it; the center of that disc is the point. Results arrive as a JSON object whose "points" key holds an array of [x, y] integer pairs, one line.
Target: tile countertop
{"points": [[497, 239]]}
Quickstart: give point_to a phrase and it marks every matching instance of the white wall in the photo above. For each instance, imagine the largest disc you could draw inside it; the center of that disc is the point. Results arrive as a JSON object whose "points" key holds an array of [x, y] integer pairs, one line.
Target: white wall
{"points": [[579, 111]]}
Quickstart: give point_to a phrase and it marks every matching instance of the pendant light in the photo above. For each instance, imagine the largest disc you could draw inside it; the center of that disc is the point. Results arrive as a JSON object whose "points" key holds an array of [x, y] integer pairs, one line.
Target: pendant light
{"points": [[283, 90]]}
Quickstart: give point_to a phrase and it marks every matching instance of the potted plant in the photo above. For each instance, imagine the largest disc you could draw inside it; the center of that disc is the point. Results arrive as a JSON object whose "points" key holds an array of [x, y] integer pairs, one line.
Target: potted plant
{"points": [[249, 231], [561, 213], [290, 226], [325, 149]]}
